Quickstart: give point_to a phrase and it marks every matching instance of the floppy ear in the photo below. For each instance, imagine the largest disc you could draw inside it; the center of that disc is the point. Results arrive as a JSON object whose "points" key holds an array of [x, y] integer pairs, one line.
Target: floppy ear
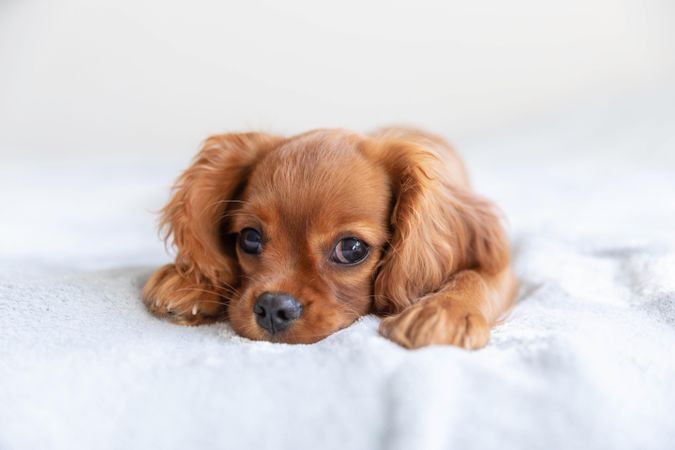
{"points": [[202, 195], [439, 226]]}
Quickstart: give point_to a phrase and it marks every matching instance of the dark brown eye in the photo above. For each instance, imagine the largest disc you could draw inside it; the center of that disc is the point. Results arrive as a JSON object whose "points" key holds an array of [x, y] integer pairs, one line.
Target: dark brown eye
{"points": [[250, 241], [349, 251]]}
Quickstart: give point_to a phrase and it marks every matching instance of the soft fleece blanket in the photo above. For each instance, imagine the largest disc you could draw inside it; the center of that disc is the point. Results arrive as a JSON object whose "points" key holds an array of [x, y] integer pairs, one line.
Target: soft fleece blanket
{"points": [[586, 358]]}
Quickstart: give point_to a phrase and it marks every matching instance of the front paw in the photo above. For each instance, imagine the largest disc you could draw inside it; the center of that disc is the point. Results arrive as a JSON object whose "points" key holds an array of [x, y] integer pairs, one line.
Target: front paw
{"points": [[433, 322], [169, 295]]}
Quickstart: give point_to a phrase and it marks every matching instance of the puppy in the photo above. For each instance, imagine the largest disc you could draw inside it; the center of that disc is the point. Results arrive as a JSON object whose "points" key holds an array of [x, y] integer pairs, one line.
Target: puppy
{"points": [[292, 239]]}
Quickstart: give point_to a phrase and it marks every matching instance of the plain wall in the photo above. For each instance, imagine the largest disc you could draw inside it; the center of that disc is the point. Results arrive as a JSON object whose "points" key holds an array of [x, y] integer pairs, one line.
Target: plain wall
{"points": [[89, 76]]}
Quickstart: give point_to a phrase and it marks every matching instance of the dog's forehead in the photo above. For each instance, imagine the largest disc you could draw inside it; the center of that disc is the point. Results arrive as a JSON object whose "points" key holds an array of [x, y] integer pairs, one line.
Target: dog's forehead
{"points": [[319, 174], [312, 155]]}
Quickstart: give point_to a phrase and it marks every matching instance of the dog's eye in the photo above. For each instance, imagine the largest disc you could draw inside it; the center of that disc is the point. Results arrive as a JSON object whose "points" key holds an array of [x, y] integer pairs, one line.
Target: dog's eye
{"points": [[349, 251], [250, 241]]}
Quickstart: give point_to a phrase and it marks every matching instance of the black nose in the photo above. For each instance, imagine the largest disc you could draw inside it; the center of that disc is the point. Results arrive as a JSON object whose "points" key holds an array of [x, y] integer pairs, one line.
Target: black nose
{"points": [[275, 311]]}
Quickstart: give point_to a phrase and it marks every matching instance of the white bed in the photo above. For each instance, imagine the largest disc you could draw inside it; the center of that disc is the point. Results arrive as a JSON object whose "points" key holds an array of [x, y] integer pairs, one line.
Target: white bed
{"points": [[585, 360]]}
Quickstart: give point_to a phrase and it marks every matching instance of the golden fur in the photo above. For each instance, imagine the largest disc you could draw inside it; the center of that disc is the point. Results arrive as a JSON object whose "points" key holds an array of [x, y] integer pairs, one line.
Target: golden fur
{"points": [[438, 269]]}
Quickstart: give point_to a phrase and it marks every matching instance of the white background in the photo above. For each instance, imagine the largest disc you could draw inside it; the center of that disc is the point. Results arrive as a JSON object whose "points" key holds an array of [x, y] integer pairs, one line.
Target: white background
{"points": [[93, 77]]}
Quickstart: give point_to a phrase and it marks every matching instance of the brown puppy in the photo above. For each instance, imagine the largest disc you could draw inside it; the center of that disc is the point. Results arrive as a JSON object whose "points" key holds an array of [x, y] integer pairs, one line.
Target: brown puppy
{"points": [[295, 238]]}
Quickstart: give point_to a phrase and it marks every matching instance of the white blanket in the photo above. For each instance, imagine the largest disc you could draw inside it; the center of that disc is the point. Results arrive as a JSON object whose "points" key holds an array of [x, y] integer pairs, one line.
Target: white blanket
{"points": [[586, 359]]}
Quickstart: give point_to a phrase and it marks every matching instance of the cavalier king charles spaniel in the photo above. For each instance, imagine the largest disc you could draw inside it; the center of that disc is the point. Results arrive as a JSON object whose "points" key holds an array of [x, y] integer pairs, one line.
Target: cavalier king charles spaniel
{"points": [[292, 239]]}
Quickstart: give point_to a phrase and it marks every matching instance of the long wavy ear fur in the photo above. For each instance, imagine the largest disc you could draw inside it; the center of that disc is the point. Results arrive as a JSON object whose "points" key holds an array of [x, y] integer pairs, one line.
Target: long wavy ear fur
{"points": [[193, 217], [439, 226]]}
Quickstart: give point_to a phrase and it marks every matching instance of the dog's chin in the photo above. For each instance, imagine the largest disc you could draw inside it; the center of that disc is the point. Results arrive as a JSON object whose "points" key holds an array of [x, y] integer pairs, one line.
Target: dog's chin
{"points": [[292, 335], [288, 337], [297, 333]]}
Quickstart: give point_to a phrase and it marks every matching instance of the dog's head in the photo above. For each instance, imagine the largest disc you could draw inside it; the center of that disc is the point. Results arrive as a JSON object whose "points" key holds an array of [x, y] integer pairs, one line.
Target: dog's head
{"points": [[307, 234]]}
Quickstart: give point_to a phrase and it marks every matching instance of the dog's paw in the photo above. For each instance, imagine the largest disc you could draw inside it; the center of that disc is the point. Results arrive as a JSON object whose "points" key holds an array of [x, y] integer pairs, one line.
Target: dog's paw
{"points": [[433, 322], [169, 295]]}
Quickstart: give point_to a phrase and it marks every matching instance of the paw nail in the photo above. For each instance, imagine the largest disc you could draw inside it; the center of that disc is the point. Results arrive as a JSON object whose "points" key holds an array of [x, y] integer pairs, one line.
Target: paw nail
{"points": [[194, 310]]}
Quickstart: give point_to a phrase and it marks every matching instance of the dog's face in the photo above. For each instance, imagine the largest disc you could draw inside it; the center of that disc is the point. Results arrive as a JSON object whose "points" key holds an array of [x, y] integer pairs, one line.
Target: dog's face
{"points": [[309, 229]]}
